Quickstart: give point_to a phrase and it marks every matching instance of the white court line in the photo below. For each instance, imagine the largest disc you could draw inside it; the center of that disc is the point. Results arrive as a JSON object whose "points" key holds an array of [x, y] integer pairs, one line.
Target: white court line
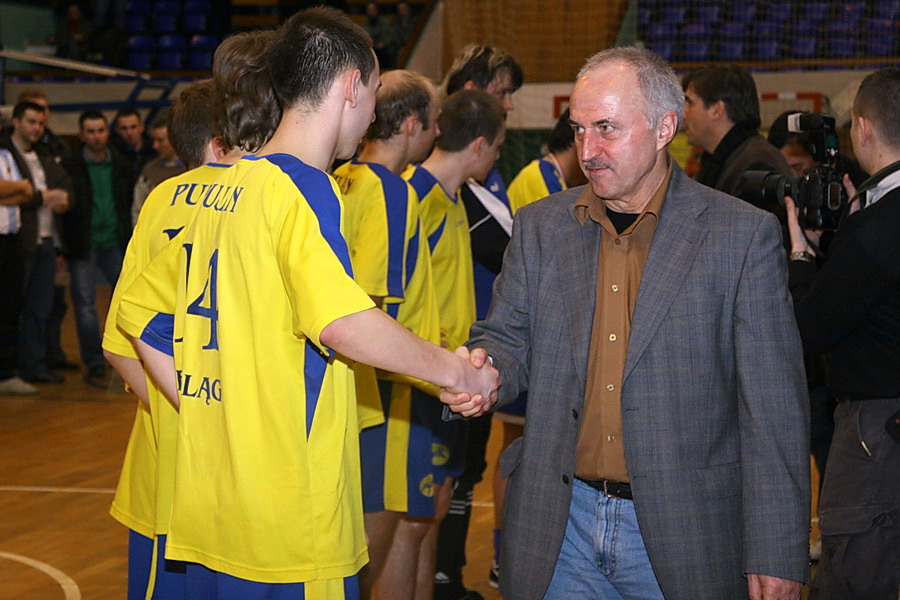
{"points": [[69, 587], [65, 490]]}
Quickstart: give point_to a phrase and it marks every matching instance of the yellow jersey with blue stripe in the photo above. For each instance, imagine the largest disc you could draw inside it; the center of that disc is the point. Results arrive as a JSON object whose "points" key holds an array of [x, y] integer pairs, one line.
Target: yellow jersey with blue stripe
{"points": [[267, 483], [143, 497], [538, 179], [390, 259], [446, 230]]}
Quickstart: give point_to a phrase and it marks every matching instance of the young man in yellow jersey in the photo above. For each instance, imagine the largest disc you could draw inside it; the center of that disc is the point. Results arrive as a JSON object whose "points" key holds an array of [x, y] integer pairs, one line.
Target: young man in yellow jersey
{"points": [[267, 500], [391, 262], [472, 128], [200, 137]]}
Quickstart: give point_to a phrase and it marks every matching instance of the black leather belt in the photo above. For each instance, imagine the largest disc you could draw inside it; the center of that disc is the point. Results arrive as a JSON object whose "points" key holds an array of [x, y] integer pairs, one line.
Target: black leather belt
{"points": [[613, 489]]}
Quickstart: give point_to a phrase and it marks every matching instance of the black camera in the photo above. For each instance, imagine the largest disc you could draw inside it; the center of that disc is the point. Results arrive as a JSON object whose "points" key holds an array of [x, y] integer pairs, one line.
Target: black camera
{"points": [[819, 194]]}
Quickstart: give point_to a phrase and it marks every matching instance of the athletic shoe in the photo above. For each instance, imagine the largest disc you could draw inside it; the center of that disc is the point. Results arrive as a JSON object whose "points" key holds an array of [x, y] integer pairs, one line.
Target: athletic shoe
{"points": [[16, 387], [44, 377], [494, 575]]}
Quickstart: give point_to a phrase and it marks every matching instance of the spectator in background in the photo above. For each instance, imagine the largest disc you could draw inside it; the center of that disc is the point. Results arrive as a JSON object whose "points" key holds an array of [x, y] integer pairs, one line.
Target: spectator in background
{"points": [[96, 230], [382, 34], [72, 34], [131, 140], [39, 237], [404, 24], [16, 194], [721, 115], [52, 144], [165, 165]]}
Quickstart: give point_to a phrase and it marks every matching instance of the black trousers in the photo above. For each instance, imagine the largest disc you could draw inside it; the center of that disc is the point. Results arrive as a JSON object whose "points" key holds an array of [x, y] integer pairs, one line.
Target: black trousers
{"points": [[12, 273]]}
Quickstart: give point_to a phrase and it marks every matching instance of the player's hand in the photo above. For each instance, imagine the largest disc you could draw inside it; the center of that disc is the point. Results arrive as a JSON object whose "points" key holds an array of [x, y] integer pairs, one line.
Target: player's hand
{"points": [[478, 390]]}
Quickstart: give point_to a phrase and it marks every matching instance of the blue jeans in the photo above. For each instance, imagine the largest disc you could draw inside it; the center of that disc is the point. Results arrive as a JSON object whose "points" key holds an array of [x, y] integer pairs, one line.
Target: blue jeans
{"points": [[40, 272], [84, 292], [603, 555]]}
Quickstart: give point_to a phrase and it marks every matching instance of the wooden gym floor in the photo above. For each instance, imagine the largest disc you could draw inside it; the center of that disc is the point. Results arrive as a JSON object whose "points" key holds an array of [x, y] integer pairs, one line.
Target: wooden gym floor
{"points": [[60, 455]]}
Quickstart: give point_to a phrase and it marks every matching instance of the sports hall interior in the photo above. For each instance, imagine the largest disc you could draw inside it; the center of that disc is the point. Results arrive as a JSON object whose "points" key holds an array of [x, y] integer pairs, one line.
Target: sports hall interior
{"points": [[61, 450]]}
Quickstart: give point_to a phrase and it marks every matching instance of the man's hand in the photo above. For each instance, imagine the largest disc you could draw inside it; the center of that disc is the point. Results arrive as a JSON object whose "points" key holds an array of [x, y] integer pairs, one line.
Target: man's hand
{"points": [[57, 200], [800, 238], [855, 202], [765, 587], [479, 390]]}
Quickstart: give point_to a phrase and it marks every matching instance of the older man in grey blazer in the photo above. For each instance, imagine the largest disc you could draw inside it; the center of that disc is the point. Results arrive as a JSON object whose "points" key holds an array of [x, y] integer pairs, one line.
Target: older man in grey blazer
{"points": [[665, 452]]}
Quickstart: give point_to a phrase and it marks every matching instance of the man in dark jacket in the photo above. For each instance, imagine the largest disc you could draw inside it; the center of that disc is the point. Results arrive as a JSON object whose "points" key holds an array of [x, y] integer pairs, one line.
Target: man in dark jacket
{"points": [[38, 236], [721, 115], [96, 231], [849, 308]]}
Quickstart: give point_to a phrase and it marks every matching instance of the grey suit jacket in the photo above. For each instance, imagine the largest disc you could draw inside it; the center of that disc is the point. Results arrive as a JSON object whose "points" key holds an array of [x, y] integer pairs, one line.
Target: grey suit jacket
{"points": [[715, 412]]}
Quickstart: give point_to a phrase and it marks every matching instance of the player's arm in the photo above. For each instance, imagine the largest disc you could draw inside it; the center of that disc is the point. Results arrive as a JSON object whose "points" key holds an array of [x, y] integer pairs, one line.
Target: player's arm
{"points": [[374, 338], [161, 368], [132, 371]]}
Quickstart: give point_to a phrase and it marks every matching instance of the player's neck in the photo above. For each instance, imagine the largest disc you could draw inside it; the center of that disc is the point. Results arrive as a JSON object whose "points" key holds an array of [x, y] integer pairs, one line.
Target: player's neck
{"points": [[449, 168], [304, 136], [385, 153]]}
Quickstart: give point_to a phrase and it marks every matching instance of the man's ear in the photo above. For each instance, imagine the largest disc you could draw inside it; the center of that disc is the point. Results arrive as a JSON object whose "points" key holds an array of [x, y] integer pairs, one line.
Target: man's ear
{"points": [[411, 125], [667, 128], [470, 85], [718, 110], [865, 130], [478, 145], [353, 83], [217, 147]]}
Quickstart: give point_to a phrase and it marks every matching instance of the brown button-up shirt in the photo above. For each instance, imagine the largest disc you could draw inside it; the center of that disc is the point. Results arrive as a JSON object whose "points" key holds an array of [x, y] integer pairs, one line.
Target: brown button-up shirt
{"points": [[601, 453]]}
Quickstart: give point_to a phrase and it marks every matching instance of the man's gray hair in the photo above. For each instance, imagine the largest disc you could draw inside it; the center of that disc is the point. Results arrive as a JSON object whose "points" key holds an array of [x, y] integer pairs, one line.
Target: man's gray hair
{"points": [[660, 87]]}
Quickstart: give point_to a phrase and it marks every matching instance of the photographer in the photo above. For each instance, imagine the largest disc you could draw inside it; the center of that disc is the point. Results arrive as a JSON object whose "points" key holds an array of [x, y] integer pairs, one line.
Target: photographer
{"points": [[849, 309]]}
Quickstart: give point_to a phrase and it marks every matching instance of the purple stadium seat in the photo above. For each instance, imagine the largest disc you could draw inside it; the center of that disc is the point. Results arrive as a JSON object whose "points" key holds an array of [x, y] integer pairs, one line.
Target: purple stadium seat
{"points": [[140, 52], [733, 31], [165, 23], [731, 50], [166, 7], [673, 14], [662, 31], [805, 27], [803, 47], [202, 47], [887, 9], [664, 48], [880, 45], [767, 49], [779, 13], [695, 31], [135, 23], [841, 47], [193, 22], [696, 50], [743, 12], [768, 29], [707, 13], [851, 12], [137, 7]]}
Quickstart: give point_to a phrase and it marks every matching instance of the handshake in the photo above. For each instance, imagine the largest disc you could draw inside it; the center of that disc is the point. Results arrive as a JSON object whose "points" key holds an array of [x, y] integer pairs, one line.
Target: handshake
{"points": [[477, 387]]}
